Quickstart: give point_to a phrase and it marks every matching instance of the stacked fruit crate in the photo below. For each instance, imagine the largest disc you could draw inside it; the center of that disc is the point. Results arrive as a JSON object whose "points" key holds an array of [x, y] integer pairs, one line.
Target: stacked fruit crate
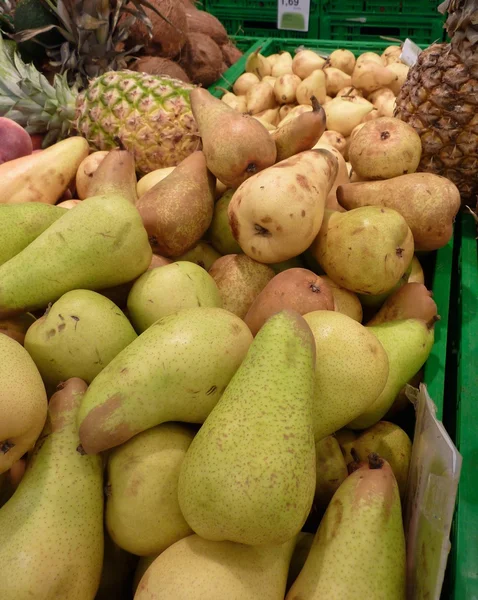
{"points": [[258, 18], [370, 19]]}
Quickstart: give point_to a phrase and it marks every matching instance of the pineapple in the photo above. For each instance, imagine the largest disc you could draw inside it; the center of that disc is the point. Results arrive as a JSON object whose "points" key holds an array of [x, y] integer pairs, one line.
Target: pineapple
{"points": [[149, 115], [440, 100]]}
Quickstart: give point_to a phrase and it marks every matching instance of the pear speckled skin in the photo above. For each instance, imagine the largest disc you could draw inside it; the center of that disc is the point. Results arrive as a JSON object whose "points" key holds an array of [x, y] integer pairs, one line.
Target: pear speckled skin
{"points": [[142, 510], [408, 344], [366, 250], [78, 336], [359, 548], [51, 530], [198, 569], [249, 474], [175, 371], [82, 249], [351, 370], [20, 224], [23, 402], [331, 469]]}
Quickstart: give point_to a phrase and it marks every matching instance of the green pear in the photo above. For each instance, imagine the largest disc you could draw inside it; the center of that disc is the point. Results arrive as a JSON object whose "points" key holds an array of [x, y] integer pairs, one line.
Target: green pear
{"points": [[117, 574], [408, 344], [366, 250], [346, 439], [175, 371], [142, 510], [23, 402], [373, 303], [20, 224], [351, 370], [391, 443], [220, 232], [198, 569], [100, 244], [77, 337], [301, 552], [249, 474], [51, 530], [331, 469], [359, 548], [202, 254], [240, 279], [165, 290]]}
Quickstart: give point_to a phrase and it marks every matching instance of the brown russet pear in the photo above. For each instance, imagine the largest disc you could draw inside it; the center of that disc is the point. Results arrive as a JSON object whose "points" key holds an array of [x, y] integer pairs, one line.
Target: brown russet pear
{"points": [[301, 133], [240, 280], [198, 569], [297, 289], [177, 211], [23, 402], [411, 301], [276, 214], [366, 250], [115, 175], [359, 548], [235, 145], [51, 529], [429, 204]]}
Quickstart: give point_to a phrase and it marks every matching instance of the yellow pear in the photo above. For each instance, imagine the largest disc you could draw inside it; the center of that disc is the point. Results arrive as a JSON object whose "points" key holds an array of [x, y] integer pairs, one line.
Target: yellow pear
{"points": [[333, 138], [369, 56], [258, 64], [401, 71], [343, 60], [285, 88], [244, 82], [345, 301], [344, 113], [283, 65], [416, 274], [336, 80], [313, 85], [295, 112], [238, 103], [149, 180], [369, 75], [260, 97], [86, 170], [305, 62]]}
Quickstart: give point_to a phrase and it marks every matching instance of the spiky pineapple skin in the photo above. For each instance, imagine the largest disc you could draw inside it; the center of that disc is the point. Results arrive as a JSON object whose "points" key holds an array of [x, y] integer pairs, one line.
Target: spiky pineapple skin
{"points": [[149, 115], [439, 100]]}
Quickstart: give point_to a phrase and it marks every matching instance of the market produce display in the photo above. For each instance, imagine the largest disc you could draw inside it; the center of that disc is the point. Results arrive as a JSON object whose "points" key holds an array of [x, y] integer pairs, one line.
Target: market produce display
{"points": [[210, 310]]}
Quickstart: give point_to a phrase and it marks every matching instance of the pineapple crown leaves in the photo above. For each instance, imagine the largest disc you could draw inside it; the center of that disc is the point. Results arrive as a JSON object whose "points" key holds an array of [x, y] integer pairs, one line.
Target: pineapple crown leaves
{"points": [[27, 97]]}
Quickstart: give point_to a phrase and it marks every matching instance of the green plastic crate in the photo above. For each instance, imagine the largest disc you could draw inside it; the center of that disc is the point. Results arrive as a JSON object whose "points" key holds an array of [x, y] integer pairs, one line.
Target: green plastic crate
{"points": [[261, 27], [345, 27], [244, 9], [465, 532], [386, 7]]}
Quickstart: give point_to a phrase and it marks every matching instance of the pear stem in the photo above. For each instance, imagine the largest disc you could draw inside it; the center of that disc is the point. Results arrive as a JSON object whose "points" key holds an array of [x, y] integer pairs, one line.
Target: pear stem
{"points": [[315, 104], [374, 461], [432, 321]]}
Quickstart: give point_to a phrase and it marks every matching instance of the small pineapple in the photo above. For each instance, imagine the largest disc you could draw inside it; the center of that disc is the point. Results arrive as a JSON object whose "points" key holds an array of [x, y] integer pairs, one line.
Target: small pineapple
{"points": [[440, 100], [149, 115]]}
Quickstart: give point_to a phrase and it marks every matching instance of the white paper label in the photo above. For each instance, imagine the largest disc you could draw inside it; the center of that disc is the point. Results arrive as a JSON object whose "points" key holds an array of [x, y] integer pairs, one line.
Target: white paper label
{"points": [[410, 52], [293, 14]]}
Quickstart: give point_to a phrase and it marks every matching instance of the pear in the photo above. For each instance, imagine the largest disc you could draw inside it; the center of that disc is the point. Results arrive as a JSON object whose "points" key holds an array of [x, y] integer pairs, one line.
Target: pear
{"points": [[77, 337], [269, 116], [313, 85], [20, 224], [341, 178], [56, 513], [331, 470], [390, 442], [261, 433], [238, 103], [245, 145], [239, 280], [283, 65], [177, 211], [260, 97], [411, 301], [276, 214], [384, 148], [369, 75], [285, 88], [176, 370], [402, 401], [306, 62], [42, 177], [335, 80], [372, 303], [302, 547], [151, 179], [142, 510], [345, 301], [408, 344], [416, 272], [343, 60], [351, 370], [86, 171], [202, 254], [346, 439], [300, 290], [301, 133], [143, 565], [344, 113], [197, 569], [115, 175], [23, 402], [16, 327], [166, 290], [81, 250], [366, 250], [220, 234], [366, 56], [332, 138], [294, 112], [258, 64], [359, 548], [244, 82], [401, 71], [429, 203], [117, 574]]}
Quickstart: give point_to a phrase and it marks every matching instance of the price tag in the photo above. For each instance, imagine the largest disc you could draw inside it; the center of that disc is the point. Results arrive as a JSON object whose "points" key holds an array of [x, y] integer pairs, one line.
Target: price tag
{"points": [[293, 14], [410, 52]]}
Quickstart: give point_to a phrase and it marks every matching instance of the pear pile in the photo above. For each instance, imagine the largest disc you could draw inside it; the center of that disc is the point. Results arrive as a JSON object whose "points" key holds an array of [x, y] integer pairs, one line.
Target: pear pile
{"points": [[202, 371]]}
